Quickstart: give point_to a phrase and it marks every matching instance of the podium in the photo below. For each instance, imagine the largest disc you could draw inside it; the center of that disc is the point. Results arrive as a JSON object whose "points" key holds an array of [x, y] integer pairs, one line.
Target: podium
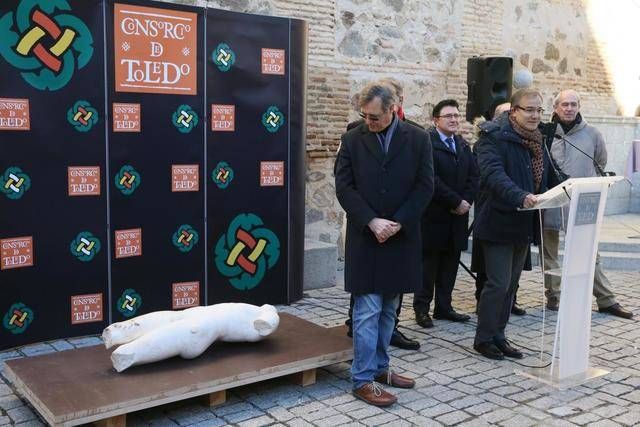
{"points": [[585, 199]]}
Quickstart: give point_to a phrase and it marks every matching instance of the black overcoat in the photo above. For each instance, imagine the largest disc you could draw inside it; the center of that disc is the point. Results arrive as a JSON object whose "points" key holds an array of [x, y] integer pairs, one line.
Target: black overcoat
{"points": [[456, 178], [396, 186]]}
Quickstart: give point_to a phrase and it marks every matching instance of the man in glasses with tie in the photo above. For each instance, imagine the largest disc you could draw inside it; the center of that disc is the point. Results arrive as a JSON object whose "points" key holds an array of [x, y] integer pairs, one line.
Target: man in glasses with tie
{"points": [[384, 180], [445, 221]]}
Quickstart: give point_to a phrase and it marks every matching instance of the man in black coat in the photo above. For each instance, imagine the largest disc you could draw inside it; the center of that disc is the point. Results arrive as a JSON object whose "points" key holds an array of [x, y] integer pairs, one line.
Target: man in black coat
{"points": [[384, 180], [398, 339], [513, 168], [445, 221]]}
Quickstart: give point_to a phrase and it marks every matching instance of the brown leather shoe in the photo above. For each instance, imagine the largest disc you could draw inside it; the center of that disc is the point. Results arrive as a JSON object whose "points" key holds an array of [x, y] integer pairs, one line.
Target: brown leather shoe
{"points": [[374, 394], [395, 380]]}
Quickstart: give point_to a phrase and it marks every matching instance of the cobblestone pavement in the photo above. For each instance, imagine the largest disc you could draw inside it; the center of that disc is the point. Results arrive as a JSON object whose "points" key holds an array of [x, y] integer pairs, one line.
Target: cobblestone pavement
{"points": [[454, 385]]}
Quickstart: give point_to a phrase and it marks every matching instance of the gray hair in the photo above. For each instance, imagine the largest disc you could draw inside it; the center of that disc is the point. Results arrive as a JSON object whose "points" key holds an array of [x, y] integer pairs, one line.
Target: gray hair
{"points": [[395, 84], [377, 90], [556, 100]]}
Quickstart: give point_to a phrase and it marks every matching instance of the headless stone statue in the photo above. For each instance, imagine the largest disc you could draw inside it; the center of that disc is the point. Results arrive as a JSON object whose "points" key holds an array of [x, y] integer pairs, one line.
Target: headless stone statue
{"points": [[188, 333]]}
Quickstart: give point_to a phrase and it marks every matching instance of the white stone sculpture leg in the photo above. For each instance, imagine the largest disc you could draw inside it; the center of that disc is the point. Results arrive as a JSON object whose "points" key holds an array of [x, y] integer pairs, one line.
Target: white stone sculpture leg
{"points": [[188, 333]]}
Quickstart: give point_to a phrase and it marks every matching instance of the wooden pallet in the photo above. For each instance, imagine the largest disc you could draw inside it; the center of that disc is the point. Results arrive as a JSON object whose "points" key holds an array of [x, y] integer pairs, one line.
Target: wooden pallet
{"points": [[80, 386]]}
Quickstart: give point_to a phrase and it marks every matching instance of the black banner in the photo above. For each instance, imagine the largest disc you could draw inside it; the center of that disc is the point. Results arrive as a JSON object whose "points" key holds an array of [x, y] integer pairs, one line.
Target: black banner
{"points": [[131, 181]]}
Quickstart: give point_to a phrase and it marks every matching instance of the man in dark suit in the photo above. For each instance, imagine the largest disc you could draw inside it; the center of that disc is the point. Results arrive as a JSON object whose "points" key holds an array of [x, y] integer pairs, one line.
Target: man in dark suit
{"points": [[445, 221], [398, 339], [384, 180]]}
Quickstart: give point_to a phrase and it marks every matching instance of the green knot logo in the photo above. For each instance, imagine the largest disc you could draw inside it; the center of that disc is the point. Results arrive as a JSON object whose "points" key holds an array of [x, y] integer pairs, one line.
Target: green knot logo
{"points": [[85, 246], [15, 183], [18, 318], [222, 175], [45, 43], [127, 180], [223, 57], [185, 119], [82, 116], [272, 119], [129, 302], [185, 238], [246, 251]]}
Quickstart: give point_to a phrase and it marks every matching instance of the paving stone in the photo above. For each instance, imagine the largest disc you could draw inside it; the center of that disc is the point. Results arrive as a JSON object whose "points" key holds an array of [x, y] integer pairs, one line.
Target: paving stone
{"points": [[609, 411], [30, 423], [10, 401], [604, 423], [61, 345], [498, 415], [584, 419], [8, 355], [519, 420], [453, 418], [482, 408], [4, 420], [631, 418], [336, 420], [379, 419], [238, 417], [423, 421], [85, 341], [563, 411], [213, 422], [437, 410], [37, 349], [616, 389], [634, 396], [466, 402], [257, 422], [299, 422], [21, 414]]}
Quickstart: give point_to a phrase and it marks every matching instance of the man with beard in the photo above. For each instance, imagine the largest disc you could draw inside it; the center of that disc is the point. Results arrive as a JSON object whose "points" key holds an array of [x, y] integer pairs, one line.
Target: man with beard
{"points": [[575, 135]]}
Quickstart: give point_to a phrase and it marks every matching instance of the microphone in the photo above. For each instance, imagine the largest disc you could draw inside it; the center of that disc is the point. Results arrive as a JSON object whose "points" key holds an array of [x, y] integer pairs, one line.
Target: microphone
{"points": [[601, 171]]}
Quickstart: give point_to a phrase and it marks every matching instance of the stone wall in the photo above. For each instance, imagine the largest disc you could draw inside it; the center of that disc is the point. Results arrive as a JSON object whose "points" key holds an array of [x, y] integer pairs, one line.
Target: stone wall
{"points": [[425, 45]]}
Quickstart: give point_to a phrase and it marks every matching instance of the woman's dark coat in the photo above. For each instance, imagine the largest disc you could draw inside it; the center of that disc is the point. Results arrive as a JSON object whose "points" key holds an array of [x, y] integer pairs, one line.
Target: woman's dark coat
{"points": [[456, 178], [397, 187]]}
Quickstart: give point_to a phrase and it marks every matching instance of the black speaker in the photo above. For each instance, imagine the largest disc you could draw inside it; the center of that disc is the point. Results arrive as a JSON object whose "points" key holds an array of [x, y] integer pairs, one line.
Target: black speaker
{"points": [[489, 81]]}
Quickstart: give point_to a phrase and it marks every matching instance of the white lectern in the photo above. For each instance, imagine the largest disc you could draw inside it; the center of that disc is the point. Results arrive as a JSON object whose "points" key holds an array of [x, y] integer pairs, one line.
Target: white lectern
{"points": [[586, 198]]}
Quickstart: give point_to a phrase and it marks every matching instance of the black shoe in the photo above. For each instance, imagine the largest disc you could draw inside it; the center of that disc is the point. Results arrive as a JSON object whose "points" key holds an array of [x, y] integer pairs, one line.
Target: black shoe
{"points": [[552, 305], [617, 310], [400, 341], [423, 319], [517, 310], [489, 350], [451, 315], [507, 350]]}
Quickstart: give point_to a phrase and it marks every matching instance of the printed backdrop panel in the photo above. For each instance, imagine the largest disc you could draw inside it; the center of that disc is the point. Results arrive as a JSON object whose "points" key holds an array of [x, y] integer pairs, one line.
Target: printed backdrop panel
{"points": [[248, 81], [156, 156], [53, 265]]}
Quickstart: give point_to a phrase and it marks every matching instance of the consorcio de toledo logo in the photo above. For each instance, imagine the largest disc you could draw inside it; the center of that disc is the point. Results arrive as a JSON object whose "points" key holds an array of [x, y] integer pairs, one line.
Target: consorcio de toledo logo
{"points": [[85, 246], [224, 57], [246, 251], [18, 318], [14, 183], [82, 116], [127, 180], [185, 119], [185, 238], [129, 302], [222, 175], [45, 42], [272, 119]]}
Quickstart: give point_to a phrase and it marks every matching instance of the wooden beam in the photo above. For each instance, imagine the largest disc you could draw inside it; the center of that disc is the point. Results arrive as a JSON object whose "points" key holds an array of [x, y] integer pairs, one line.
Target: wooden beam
{"points": [[117, 421], [305, 378], [217, 398]]}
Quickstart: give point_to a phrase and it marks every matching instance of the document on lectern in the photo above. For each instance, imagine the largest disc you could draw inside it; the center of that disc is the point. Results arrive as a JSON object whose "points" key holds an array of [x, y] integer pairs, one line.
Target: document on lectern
{"points": [[558, 196]]}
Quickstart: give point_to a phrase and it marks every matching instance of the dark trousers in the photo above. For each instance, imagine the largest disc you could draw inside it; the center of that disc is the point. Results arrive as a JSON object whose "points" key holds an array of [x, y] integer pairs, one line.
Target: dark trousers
{"points": [[349, 321], [439, 271], [481, 279], [503, 265]]}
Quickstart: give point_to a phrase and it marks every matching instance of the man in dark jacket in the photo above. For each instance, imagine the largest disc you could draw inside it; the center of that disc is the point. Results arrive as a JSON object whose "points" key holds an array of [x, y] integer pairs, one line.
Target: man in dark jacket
{"points": [[513, 168], [398, 339], [445, 221], [384, 180]]}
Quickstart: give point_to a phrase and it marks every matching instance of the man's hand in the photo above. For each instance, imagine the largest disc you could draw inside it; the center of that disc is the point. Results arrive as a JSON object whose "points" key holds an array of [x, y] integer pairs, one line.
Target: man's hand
{"points": [[529, 201], [383, 228], [462, 209]]}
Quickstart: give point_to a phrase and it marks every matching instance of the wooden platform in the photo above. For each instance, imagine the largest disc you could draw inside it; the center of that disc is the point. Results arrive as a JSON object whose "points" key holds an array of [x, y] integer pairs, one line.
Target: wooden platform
{"points": [[80, 386]]}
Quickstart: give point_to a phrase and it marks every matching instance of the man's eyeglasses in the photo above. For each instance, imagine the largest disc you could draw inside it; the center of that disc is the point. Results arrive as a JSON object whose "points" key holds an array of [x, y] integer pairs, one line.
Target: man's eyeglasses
{"points": [[530, 110], [370, 117], [449, 116]]}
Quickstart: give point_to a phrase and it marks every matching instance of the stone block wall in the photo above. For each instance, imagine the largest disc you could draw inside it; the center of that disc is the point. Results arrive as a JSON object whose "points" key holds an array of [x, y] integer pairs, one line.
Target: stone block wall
{"points": [[425, 45]]}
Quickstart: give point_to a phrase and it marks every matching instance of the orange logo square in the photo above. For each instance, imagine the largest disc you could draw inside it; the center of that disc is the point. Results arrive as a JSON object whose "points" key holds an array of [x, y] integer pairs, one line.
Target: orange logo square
{"points": [[271, 174], [223, 118], [84, 180], [126, 117], [185, 178], [128, 243], [86, 308], [272, 61], [16, 252], [155, 50], [14, 114], [186, 294]]}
